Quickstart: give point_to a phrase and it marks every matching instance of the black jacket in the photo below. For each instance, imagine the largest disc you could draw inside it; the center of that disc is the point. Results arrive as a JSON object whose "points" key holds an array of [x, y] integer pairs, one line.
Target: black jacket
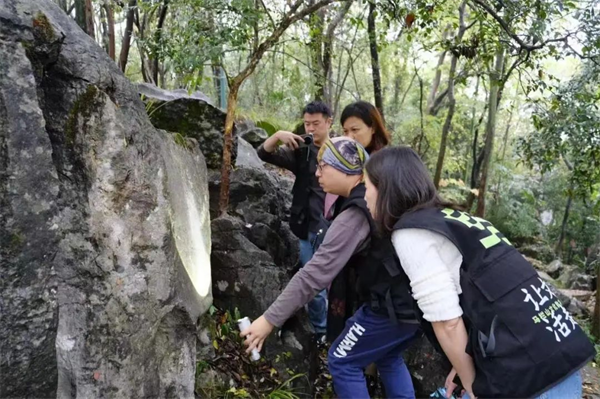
{"points": [[308, 197]]}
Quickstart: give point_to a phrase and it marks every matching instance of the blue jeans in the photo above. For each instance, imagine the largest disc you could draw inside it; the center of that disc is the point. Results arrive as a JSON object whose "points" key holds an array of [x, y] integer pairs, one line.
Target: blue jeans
{"points": [[570, 388], [371, 338], [317, 308]]}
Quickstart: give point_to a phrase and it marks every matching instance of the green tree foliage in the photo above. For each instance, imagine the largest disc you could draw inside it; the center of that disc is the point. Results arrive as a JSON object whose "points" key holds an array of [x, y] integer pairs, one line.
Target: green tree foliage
{"points": [[567, 126]]}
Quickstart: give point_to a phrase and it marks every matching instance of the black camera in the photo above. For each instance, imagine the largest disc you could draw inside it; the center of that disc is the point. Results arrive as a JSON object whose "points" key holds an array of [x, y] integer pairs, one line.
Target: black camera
{"points": [[308, 139]]}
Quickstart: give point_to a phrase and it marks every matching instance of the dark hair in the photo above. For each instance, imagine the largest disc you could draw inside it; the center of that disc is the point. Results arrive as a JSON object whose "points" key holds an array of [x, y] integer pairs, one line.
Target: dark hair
{"points": [[372, 118], [317, 107], [403, 184]]}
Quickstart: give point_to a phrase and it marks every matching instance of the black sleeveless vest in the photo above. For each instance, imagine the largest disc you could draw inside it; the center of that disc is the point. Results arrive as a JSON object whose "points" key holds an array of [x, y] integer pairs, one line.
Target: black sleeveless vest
{"points": [[372, 276], [522, 340]]}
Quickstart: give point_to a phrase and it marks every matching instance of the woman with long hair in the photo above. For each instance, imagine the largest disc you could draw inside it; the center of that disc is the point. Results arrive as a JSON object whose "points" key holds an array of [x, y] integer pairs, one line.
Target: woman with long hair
{"points": [[364, 123], [499, 324]]}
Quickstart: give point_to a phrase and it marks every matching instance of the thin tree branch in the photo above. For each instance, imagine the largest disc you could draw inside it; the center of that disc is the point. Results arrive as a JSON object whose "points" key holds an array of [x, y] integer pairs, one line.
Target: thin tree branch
{"points": [[289, 18], [408, 89], [268, 13], [309, 67], [514, 36], [338, 18]]}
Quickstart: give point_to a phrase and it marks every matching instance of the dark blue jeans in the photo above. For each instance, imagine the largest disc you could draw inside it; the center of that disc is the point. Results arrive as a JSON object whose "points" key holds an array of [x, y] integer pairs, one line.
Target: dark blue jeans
{"points": [[317, 308], [371, 338]]}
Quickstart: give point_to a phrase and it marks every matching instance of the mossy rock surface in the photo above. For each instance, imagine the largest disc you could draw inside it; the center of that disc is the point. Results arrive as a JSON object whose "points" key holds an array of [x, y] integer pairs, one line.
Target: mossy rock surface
{"points": [[189, 115]]}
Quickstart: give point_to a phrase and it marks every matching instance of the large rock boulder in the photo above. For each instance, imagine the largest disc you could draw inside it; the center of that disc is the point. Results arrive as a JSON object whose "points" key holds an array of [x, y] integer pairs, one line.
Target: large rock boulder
{"points": [[593, 257], [574, 305], [245, 276], [104, 223], [254, 251], [191, 115], [254, 254], [574, 278], [253, 134], [247, 156], [261, 200], [539, 251], [553, 268]]}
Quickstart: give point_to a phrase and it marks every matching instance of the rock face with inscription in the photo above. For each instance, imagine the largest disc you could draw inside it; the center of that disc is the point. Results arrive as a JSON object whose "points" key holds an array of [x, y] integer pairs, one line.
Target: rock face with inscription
{"points": [[104, 223]]}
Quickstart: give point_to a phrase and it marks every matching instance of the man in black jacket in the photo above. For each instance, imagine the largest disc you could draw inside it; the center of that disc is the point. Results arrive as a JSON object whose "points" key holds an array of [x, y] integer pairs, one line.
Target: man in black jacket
{"points": [[308, 197]]}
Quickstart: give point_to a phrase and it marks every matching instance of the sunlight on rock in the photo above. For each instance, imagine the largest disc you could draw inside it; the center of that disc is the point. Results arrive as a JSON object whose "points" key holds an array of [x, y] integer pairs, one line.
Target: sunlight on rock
{"points": [[195, 249], [190, 217]]}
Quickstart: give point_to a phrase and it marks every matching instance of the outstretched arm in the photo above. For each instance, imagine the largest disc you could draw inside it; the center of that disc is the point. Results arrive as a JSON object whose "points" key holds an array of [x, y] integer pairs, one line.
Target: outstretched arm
{"points": [[345, 235]]}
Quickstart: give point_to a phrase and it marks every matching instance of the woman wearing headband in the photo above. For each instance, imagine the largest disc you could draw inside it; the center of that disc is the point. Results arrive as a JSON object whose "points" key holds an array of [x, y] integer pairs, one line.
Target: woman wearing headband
{"points": [[382, 328]]}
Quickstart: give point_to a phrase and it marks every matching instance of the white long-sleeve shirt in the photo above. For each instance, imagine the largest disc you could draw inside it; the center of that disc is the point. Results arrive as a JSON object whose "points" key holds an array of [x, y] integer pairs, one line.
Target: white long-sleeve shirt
{"points": [[432, 263]]}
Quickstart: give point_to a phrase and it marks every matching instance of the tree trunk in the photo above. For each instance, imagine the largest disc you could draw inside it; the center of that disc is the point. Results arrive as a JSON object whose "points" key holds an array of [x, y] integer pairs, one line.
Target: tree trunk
{"points": [[162, 75], [401, 103], [451, 100], [63, 5], [216, 70], [472, 128], [596, 316], [447, 124], [374, 58], [435, 85], [503, 156], [126, 44], [327, 90], [495, 80], [157, 36], [145, 61], [397, 83], [506, 132], [89, 19], [110, 19], [563, 228], [339, 89], [422, 135], [235, 84], [477, 159], [80, 14], [316, 23], [104, 28], [228, 146]]}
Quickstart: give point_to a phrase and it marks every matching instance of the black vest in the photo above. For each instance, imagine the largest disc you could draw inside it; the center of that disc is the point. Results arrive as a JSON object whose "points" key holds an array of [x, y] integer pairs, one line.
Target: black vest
{"points": [[306, 166], [372, 276], [522, 340]]}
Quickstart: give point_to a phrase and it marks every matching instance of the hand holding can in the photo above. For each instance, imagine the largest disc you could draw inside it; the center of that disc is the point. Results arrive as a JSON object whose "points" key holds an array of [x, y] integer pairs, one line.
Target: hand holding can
{"points": [[244, 324]]}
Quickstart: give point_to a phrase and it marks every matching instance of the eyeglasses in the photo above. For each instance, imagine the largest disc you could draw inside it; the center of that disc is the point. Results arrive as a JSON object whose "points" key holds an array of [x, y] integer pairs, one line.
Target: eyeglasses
{"points": [[320, 166]]}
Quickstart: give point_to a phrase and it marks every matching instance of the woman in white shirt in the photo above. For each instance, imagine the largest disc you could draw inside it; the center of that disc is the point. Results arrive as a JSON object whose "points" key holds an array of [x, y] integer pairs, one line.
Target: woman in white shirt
{"points": [[477, 292]]}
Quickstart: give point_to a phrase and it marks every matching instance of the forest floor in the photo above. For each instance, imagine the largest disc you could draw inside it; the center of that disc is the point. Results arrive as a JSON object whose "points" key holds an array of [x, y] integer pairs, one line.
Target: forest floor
{"points": [[591, 381]]}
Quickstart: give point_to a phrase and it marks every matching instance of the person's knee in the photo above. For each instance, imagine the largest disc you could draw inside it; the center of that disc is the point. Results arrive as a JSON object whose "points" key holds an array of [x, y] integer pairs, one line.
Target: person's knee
{"points": [[335, 362]]}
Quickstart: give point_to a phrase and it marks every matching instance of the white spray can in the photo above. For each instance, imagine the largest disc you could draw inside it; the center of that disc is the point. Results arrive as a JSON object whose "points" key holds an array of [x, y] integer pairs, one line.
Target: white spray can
{"points": [[244, 324]]}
